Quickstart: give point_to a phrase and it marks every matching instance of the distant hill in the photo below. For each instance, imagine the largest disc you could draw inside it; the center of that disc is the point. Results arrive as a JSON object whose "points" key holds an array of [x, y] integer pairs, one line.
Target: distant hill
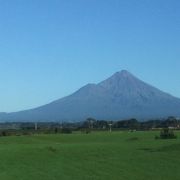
{"points": [[121, 96]]}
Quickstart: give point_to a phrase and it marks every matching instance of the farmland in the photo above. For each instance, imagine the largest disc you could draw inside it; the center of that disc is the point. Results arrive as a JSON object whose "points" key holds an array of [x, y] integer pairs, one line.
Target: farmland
{"points": [[94, 156]]}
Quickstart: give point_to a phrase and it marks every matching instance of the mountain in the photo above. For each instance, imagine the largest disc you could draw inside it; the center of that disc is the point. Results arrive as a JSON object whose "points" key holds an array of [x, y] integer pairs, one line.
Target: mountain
{"points": [[121, 96]]}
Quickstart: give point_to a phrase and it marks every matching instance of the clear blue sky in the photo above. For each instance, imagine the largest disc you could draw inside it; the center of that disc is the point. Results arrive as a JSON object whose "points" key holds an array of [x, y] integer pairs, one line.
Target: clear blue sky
{"points": [[50, 48]]}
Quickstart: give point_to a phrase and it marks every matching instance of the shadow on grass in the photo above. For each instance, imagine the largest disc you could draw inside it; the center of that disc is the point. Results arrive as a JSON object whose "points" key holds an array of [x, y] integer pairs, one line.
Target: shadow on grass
{"points": [[52, 149], [133, 139], [169, 148]]}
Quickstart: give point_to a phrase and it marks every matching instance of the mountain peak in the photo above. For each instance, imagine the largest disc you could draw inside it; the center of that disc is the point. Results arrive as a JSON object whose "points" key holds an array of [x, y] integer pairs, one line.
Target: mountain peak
{"points": [[123, 73], [119, 78]]}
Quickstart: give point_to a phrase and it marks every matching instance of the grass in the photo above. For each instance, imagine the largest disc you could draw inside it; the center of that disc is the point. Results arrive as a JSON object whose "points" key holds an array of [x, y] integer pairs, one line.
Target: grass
{"points": [[95, 156]]}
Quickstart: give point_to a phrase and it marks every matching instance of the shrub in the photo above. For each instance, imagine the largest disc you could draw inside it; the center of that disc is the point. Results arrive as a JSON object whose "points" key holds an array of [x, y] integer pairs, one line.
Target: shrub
{"points": [[166, 133], [52, 149], [86, 131], [4, 133], [66, 131], [56, 130]]}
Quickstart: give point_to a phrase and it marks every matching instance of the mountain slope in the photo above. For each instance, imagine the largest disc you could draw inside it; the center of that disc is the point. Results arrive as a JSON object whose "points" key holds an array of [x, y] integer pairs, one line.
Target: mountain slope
{"points": [[121, 96]]}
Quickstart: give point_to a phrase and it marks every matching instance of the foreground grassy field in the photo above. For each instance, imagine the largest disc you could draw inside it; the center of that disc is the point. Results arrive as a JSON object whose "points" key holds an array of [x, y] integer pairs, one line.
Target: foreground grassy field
{"points": [[95, 156]]}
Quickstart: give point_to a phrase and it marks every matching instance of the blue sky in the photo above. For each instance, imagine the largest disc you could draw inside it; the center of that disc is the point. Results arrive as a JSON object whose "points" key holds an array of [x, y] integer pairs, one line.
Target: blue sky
{"points": [[50, 48]]}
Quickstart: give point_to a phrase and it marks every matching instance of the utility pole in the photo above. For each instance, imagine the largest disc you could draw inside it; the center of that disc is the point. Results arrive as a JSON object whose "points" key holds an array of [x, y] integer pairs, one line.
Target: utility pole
{"points": [[110, 127], [36, 126]]}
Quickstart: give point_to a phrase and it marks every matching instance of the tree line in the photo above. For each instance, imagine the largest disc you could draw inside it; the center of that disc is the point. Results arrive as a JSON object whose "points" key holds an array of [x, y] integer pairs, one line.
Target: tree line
{"points": [[132, 124], [90, 124]]}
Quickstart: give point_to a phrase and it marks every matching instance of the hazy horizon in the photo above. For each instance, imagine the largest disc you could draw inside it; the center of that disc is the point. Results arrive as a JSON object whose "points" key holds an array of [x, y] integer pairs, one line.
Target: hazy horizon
{"points": [[50, 49]]}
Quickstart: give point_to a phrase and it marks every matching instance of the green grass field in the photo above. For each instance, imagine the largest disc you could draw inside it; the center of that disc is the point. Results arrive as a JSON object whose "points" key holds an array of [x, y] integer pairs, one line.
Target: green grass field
{"points": [[95, 156]]}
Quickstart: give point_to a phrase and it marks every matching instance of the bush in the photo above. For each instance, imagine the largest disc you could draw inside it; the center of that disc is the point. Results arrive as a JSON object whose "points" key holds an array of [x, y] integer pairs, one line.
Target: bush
{"points": [[56, 130], [166, 133], [26, 133], [66, 131], [4, 133], [86, 131]]}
